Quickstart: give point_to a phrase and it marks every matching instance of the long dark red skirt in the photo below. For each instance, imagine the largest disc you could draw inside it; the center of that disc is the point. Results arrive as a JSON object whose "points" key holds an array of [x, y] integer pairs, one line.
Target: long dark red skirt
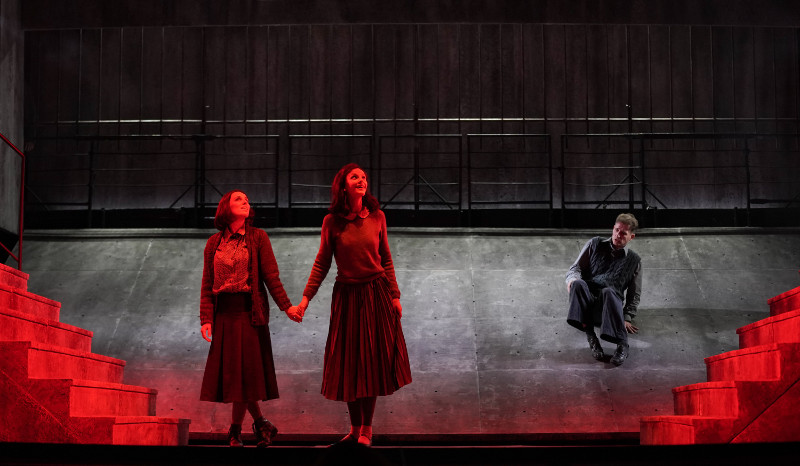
{"points": [[239, 365], [365, 354]]}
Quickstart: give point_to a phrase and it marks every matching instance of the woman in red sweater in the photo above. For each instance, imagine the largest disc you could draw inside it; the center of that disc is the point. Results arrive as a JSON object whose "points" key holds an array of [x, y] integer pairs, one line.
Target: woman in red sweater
{"points": [[365, 354], [237, 262]]}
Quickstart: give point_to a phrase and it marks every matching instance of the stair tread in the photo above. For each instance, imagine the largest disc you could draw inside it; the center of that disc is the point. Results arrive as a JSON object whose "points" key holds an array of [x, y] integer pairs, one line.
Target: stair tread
{"points": [[68, 351], [784, 295], [750, 350], [99, 384], [29, 295], [705, 385], [687, 419], [136, 419], [43, 321], [17, 274], [769, 320], [721, 384]]}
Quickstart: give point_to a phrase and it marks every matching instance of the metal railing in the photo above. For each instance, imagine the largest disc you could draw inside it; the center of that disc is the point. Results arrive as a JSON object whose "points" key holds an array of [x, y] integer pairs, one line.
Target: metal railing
{"points": [[453, 174], [198, 164], [634, 167], [429, 164], [18, 257]]}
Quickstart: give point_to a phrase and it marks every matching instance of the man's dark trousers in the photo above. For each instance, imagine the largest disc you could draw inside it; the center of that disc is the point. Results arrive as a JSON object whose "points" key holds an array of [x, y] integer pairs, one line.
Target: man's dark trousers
{"points": [[584, 305]]}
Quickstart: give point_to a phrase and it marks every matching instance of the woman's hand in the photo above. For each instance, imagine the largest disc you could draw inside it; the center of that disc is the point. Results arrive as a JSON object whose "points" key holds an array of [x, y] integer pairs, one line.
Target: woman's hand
{"points": [[295, 314], [398, 308], [205, 330]]}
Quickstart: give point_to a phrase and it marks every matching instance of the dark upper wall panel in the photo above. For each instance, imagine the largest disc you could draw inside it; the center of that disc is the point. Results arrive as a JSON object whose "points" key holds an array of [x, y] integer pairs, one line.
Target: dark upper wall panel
{"points": [[59, 14]]}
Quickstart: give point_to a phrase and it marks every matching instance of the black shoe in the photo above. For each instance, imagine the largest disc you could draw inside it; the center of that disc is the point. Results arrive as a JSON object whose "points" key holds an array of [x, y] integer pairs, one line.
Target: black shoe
{"points": [[264, 431], [594, 345], [235, 436], [619, 355], [348, 439]]}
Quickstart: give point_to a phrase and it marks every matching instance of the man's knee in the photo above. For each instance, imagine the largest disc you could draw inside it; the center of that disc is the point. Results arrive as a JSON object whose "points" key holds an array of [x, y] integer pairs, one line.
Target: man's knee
{"points": [[608, 293], [579, 286]]}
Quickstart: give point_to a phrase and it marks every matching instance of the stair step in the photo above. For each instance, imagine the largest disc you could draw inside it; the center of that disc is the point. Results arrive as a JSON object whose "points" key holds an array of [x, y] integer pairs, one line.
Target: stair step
{"points": [[683, 430], [132, 430], [27, 359], [707, 399], [781, 328], [151, 431], [757, 363], [73, 397], [23, 301], [13, 278], [740, 399], [784, 302], [20, 326], [104, 430]]}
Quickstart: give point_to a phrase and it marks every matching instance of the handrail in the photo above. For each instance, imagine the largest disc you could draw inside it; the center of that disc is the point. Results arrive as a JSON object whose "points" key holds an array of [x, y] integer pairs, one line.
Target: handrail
{"points": [[18, 257]]}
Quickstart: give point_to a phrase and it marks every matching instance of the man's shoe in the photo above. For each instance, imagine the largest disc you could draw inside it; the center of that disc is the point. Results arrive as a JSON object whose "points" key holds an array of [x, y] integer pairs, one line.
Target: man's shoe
{"points": [[619, 355], [594, 345]]}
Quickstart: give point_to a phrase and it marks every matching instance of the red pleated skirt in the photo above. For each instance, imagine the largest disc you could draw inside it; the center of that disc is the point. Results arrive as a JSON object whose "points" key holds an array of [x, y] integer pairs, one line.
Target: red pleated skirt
{"points": [[365, 354], [239, 365]]}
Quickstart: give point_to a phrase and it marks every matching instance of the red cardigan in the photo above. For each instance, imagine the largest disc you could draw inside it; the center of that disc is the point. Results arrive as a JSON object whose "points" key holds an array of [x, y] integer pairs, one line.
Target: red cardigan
{"points": [[361, 249], [263, 268]]}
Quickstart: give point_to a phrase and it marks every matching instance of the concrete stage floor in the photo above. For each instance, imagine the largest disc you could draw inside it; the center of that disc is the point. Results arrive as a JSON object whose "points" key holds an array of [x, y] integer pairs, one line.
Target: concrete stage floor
{"points": [[484, 319]]}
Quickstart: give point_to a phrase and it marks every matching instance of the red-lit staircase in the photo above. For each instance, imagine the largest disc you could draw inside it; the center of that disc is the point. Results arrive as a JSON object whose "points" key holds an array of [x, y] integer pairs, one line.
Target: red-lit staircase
{"points": [[752, 394], [53, 389]]}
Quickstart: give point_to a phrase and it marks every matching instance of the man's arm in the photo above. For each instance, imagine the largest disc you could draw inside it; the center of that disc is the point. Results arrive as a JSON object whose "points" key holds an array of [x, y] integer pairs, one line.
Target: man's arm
{"points": [[575, 271], [632, 296]]}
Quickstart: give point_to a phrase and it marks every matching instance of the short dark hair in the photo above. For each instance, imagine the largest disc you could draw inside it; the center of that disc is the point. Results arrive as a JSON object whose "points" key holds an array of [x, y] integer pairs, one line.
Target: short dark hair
{"points": [[628, 219], [223, 217], [339, 198]]}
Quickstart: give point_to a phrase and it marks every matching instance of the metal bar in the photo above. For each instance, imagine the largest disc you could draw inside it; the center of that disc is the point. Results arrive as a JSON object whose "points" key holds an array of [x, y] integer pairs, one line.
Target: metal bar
{"points": [[21, 224]]}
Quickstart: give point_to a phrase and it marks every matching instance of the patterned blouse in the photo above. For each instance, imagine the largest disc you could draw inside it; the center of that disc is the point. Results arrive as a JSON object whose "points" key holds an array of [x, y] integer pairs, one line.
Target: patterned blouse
{"points": [[231, 266]]}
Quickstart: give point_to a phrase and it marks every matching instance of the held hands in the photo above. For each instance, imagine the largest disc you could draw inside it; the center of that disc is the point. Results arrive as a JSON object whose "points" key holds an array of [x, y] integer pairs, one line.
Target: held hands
{"points": [[205, 330], [296, 313]]}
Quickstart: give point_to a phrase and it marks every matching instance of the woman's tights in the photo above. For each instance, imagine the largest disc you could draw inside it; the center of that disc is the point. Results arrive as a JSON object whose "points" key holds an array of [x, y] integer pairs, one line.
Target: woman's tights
{"points": [[361, 411]]}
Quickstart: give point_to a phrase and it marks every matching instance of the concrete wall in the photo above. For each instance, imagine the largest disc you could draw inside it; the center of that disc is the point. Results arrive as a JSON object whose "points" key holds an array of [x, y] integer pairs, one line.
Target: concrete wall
{"points": [[11, 124], [484, 319]]}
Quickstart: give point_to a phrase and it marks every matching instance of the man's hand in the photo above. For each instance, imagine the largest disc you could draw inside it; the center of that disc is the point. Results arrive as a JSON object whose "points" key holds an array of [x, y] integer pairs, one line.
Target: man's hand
{"points": [[569, 286], [205, 330], [631, 328]]}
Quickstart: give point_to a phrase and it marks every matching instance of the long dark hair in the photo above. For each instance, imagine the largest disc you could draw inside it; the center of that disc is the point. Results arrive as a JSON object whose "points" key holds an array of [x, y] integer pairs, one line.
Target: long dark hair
{"points": [[223, 217], [339, 198]]}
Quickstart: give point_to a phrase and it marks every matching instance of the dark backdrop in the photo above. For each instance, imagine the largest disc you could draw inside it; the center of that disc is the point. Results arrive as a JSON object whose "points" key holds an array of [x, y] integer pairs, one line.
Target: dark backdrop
{"points": [[164, 105]]}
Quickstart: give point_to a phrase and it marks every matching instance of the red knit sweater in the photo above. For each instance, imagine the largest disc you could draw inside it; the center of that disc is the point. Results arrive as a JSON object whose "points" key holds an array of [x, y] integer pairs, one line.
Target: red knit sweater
{"points": [[361, 249], [263, 268]]}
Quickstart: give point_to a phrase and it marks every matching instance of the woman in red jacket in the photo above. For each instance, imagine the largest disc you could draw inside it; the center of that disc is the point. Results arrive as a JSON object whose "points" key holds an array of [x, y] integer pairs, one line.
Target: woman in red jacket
{"points": [[365, 354], [237, 262]]}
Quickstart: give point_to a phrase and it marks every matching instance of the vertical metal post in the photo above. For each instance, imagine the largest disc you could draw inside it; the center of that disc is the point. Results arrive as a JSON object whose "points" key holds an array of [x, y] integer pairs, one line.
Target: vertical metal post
{"points": [[631, 175], [644, 181], [200, 169], [289, 173], [460, 178], [90, 194], [18, 257], [21, 212], [469, 180], [747, 175]]}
